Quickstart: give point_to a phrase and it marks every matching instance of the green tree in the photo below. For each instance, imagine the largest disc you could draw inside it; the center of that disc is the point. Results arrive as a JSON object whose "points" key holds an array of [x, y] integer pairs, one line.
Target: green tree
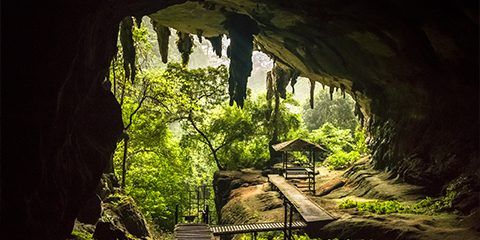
{"points": [[201, 90], [344, 147], [335, 109], [248, 131]]}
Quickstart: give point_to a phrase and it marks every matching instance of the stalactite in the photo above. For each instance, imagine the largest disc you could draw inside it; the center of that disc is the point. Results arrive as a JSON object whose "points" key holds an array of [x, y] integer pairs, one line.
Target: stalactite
{"points": [[270, 87], [312, 93], [138, 21], [241, 29], [216, 44], [278, 79], [359, 114], [163, 35], [185, 46], [293, 79], [200, 35], [270, 93], [128, 47], [281, 78]]}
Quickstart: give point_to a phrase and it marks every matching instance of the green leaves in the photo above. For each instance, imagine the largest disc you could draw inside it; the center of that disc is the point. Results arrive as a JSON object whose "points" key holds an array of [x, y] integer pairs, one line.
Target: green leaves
{"points": [[242, 135], [339, 111], [424, 206], [158, 168], [345, 148]]}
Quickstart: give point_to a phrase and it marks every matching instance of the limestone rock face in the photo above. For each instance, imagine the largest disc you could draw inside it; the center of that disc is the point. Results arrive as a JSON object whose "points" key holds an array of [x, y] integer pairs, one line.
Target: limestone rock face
{"points": [[413, 73], [411, 66], [225, 182], [412, 70]]}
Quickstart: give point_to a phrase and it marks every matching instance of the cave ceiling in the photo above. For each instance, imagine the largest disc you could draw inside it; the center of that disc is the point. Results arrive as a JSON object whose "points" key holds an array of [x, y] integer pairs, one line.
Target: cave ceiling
{"points": [[368, 49]]}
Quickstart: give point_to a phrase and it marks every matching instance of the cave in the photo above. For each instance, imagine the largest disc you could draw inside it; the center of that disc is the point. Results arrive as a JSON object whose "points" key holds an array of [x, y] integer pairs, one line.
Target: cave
{"points": [[411, 66]]}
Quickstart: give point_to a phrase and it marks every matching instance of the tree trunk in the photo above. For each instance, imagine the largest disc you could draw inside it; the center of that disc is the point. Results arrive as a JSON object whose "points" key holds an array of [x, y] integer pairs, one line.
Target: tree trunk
{"points": [[209, 143]]}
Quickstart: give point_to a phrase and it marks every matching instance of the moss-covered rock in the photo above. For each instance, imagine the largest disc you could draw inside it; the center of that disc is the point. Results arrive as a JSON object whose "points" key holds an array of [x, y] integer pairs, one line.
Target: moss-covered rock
{"points": [[121, 219]]}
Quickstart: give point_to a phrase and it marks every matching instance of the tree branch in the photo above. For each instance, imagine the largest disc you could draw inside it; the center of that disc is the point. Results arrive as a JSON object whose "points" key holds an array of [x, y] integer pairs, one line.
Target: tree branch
{"points": [[144, 96], [209, 144]]}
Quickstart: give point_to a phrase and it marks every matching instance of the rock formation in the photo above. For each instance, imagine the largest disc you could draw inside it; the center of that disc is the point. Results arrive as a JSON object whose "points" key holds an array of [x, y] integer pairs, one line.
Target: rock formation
{"points": [[411, 66]]}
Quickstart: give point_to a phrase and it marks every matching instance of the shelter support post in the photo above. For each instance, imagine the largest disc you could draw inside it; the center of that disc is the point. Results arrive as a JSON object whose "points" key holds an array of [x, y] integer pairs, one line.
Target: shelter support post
{"points": [[314, 171], [176, 214], [285, 218]]}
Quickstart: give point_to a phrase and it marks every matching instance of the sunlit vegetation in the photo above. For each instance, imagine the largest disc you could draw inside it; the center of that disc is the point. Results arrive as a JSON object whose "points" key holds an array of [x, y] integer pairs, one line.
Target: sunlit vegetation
{"points": [[332, 123], [335, 108], [82, 235], [181, 128], [279, 236], [425, 206]]}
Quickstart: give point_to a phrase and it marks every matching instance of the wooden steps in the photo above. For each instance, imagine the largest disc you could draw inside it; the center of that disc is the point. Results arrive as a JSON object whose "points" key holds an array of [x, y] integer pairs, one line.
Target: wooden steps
{"points": [[200, 231], [308, 210], [254, 227]]}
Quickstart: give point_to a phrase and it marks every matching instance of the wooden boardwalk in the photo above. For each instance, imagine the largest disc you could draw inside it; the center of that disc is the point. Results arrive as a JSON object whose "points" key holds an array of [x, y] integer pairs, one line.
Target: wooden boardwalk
{"points": [[310, 211], [313, 215], [190, 231], [254, 227]]}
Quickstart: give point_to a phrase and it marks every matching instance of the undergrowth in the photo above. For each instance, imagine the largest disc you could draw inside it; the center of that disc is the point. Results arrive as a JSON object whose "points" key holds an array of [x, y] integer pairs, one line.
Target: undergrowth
{"points": [[279, 236], [81, 235], [425, 206]]}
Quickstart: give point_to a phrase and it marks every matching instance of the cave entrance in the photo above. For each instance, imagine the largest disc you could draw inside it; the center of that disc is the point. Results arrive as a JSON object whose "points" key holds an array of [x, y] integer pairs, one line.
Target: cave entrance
{"points": [[412, 69], [181, 125]]}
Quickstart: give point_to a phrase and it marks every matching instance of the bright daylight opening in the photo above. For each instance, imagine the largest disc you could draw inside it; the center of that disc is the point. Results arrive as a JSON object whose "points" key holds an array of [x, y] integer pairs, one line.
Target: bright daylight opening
{"points": [[184, 138]]}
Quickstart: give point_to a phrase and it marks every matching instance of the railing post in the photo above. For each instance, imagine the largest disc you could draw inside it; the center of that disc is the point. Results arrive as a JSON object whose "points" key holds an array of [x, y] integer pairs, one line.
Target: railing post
{"points": [[314, 172], [290, 224], [207, 214], [176, 214], [125, 150], [285, 218], [198, 202]]}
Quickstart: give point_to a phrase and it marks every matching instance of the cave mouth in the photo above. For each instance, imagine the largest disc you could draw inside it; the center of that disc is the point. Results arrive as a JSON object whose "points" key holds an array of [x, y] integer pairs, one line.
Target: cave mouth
{"points": [[413, 72], [213, 135]]}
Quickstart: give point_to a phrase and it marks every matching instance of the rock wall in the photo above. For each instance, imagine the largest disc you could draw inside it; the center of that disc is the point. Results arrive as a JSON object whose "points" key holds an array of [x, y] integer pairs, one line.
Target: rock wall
{"points": [[412, 70], [225, 182], [412, 67], [60, 123], [244, 196], [110, 214]]}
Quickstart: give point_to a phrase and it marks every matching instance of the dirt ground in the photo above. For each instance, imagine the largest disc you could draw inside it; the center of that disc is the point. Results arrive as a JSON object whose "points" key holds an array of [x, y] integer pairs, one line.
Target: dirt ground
{"points": [[252, 203]]}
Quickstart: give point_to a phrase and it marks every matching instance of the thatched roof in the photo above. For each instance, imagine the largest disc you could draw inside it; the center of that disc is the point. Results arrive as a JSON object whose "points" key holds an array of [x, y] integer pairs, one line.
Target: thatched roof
{"points": [[297, 145]]}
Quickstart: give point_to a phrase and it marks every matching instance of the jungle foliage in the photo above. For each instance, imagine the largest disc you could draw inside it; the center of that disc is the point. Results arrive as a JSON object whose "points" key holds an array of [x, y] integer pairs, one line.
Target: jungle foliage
{"points": [[181, 128], [332, 123], [335, 108]]}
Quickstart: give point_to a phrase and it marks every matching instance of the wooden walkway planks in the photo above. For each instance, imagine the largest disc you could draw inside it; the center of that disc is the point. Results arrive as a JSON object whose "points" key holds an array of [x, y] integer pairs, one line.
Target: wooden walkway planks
{"points": [[254, 227], [190, 231], [309, 211]]}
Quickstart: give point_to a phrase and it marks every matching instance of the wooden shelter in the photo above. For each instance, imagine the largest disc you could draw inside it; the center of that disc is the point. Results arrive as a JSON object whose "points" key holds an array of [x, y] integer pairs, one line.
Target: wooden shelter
{"points": [[305, 171]]}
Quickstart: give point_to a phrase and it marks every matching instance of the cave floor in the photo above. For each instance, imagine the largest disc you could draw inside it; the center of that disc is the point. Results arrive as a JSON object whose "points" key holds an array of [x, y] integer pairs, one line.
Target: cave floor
{"points": [[258, 203], [362, 183]]}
